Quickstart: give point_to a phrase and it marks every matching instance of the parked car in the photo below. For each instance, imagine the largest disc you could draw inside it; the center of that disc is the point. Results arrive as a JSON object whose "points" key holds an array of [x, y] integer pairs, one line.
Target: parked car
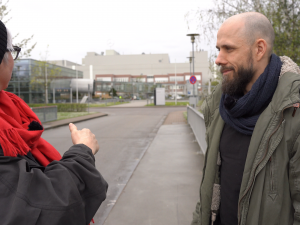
{"points": [[177, 97]]}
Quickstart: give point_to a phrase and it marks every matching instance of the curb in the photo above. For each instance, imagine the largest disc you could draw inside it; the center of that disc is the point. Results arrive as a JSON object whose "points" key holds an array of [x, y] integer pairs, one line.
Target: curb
{"points": [[64, 122]]}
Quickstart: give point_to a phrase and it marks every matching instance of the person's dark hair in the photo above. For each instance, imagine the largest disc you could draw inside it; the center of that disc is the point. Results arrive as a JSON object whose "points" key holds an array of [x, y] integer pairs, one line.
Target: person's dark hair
{"points": [[5, 43], [258, 26]]}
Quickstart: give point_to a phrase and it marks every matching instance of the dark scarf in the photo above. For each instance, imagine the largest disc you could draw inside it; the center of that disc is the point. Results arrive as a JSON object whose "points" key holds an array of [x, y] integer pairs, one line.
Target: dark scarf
{"points": [[242, 113], [21, 130]]}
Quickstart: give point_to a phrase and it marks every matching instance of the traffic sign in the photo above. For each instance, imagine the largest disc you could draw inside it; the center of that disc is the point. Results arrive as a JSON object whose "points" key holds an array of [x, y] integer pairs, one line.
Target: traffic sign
{"points": [[193, 79]]}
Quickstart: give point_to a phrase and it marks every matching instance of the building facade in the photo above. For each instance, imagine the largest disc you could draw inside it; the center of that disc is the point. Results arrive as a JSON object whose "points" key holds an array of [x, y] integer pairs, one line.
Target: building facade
{"points": [[113, 63], [29, 79], [143, 84], [127, 73]]}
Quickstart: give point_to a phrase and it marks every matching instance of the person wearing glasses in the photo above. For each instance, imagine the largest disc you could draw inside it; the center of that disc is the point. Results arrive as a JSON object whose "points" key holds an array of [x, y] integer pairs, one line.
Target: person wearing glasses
{"points": [[37, 185]]}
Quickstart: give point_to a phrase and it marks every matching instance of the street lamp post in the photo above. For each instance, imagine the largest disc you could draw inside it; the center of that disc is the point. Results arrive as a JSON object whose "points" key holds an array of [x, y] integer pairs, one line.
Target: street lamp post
{"points": [[190, 60], [193, 58], [46, 84], [175, 85], [132, 88], [77, 86]]}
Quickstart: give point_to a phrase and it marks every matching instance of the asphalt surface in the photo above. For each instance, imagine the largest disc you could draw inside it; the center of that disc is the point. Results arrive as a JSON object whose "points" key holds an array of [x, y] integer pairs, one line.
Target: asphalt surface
{"points": [[164, 188], [124, 136]]}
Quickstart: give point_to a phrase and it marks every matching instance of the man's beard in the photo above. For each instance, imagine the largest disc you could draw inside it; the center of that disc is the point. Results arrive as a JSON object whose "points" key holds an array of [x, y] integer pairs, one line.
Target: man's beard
{"points": [[237, 85]]}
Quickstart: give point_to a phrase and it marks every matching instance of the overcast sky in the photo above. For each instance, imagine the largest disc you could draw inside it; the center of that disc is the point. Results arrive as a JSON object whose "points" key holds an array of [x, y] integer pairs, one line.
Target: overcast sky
{"points": [[73, 27]]}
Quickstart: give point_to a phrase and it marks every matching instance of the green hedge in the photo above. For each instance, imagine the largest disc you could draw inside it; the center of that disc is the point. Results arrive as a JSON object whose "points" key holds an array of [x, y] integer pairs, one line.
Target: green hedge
{"points": [[65, 107]]}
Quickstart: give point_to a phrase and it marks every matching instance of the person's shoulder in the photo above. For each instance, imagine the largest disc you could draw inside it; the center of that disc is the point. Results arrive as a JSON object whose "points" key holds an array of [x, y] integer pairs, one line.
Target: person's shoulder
{"points": [[287, 91], [213, 100]]}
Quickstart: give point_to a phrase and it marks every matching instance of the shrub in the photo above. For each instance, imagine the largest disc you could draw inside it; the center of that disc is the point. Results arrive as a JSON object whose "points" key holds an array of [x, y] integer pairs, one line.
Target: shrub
{"points": [[65, 107]]}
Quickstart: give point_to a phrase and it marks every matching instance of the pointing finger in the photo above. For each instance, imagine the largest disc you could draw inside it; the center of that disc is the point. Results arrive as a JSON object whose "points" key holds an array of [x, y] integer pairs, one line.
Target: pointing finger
{"points": [[72, 127]]}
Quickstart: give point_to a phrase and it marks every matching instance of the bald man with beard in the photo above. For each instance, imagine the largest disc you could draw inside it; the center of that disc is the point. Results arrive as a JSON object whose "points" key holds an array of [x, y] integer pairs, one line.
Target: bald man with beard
{"points": [[251, 174]]}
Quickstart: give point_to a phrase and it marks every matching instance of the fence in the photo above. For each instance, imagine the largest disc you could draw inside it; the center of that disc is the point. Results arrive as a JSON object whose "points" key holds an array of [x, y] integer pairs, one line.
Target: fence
{"points": [[114, 100], [150, 101], [110, 100], [46, 113], [196, 121]]}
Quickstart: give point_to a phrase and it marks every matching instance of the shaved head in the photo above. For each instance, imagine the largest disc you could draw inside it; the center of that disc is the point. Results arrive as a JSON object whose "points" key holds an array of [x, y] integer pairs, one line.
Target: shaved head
{"points": [[256, 26], [245, 44]]}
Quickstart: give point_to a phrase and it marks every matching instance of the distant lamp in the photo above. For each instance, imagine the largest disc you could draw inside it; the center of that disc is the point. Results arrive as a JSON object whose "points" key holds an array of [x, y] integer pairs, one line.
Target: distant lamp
{"points": [[190, 59], [192, 37], [193, 41], [193, 58]]}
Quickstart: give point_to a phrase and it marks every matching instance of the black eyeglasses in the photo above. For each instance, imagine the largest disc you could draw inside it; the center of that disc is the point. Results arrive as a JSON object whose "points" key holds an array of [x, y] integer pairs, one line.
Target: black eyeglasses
{"points": [[15, 52]]}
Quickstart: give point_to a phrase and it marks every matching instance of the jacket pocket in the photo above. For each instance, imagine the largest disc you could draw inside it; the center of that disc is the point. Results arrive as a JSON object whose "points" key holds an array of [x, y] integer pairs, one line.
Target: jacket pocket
{"points": [[273, 163], [273, 184]]}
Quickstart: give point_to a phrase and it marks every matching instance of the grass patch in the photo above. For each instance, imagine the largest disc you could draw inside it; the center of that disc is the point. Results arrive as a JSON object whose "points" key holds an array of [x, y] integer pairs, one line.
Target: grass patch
{"points": [[172, 104], [105, 105], [64, 107], [185, 115], [68, 115]]}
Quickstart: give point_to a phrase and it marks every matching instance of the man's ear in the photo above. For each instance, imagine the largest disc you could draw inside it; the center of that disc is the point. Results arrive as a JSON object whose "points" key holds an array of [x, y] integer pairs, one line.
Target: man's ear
{"points": [[261, 48]]}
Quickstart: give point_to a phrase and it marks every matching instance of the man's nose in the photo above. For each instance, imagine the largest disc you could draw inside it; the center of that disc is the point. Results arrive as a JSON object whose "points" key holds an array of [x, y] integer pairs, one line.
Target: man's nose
{"points": [[220, 60]]}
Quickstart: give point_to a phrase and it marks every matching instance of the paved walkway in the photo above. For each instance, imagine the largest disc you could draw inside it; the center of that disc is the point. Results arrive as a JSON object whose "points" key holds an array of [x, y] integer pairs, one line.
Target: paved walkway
{"points": [[164, 188], [175, 118]]}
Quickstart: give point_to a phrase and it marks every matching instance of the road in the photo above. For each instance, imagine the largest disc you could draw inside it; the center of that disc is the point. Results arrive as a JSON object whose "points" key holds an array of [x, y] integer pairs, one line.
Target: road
{"points": [[124, 136]]}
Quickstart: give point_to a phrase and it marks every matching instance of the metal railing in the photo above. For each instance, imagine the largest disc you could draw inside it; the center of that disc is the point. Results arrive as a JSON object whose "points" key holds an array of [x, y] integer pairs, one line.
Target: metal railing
{"points": [[46, 113], [196, 121]]}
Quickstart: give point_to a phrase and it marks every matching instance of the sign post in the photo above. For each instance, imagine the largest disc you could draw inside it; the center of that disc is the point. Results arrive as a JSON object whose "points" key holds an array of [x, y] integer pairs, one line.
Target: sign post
{"points": [[193, 81]]}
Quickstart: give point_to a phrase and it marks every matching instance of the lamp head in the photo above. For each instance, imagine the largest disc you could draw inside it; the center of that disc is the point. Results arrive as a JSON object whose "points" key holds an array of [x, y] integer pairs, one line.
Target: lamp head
{"points": [[192, 37], [190, 58]]}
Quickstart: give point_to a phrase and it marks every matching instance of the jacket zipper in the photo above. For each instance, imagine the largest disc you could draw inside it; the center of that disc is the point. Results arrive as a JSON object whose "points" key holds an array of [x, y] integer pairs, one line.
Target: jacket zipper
{"points": [[296, 106], [271, 174]]}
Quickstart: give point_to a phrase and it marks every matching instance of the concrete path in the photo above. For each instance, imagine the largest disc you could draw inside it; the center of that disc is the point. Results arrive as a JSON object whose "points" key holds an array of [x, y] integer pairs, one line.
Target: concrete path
{"points": [[124, 136], [175, 118], [133, 103], [164, 188]]}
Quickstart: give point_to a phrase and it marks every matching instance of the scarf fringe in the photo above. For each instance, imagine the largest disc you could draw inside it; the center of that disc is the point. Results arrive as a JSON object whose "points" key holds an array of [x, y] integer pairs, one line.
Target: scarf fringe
{"points": [[12, 144]]}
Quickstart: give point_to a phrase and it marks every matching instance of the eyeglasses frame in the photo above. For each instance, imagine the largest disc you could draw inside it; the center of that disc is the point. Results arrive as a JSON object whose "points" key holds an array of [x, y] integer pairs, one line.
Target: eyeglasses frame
{"points": [[17, 49]]}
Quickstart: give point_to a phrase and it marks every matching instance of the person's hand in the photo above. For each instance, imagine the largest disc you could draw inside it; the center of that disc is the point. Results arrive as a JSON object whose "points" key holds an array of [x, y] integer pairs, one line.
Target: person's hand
{"points": [[84, 136]]}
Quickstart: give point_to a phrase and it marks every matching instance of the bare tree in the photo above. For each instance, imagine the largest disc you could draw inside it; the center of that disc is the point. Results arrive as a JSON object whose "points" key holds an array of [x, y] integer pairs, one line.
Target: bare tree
{"points": [[43, 73], [284, 16], [25, 44]]}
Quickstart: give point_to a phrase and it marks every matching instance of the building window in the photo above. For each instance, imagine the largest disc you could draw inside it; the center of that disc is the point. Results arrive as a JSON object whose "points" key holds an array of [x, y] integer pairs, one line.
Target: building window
{"points": [[161, 79], [178, 78], [103, 78], [121, 79]]}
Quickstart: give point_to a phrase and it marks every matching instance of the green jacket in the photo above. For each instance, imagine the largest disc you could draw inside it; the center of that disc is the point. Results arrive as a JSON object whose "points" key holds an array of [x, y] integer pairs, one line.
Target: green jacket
{"points": [[270, 189]]}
